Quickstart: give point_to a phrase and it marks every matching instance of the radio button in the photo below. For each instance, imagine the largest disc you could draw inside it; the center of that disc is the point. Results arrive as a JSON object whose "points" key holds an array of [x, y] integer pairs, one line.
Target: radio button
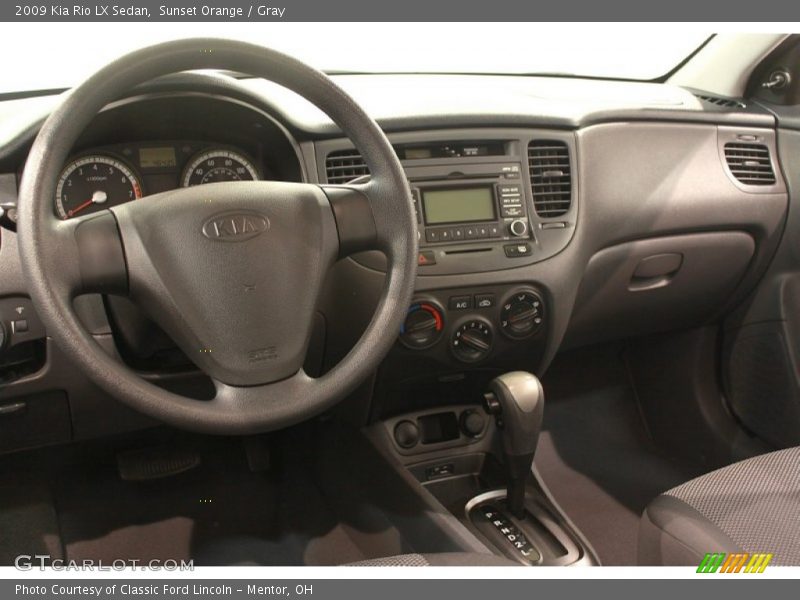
{"points": [[458, 233], [512, 211], [516, 250], [445, 235], [483, 231], [415, 196], [431, 235], [470, 232], [494, 231]]}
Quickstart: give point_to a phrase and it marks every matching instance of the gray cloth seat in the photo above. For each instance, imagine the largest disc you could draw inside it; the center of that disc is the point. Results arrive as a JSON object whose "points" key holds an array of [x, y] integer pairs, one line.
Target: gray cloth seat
{"points": [[750, 506], [443, 559], [252, 551]]}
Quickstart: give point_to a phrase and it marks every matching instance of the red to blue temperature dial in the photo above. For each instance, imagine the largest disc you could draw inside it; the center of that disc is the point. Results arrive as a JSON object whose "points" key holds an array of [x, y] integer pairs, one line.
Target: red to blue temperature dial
{"points": [[423, 326]]}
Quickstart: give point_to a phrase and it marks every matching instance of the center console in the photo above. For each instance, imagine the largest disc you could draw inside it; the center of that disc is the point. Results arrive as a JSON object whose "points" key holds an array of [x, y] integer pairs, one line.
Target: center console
{"points": [[455, 453], [486, 202]]}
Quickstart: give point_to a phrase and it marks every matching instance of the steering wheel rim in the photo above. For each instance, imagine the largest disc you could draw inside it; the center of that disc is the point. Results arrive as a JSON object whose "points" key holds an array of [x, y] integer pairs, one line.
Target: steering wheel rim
{"points": [[99, 253]]}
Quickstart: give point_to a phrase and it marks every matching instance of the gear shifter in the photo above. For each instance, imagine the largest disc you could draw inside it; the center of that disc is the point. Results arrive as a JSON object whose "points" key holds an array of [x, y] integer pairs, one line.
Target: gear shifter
{"points": [[517, 401]]}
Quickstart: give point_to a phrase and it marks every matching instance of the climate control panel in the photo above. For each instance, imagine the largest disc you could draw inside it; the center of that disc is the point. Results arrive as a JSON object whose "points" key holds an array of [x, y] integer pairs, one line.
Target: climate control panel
{"points": [[473, 325]]}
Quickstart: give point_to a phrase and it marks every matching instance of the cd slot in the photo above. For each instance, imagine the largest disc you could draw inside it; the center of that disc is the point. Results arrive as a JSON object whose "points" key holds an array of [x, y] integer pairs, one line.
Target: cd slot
{"points": [[468, 251]]}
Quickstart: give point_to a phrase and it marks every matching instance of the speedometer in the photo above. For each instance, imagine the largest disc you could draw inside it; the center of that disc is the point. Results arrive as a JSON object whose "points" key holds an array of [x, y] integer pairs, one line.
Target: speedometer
{"points": [[92, 183], [219, 164]]}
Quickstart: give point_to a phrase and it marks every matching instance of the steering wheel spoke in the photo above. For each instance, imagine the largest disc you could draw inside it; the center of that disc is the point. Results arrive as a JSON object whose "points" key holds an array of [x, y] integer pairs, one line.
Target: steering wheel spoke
{"points": [[101, 257], [88, 256], [355, 219], [366, 215]]}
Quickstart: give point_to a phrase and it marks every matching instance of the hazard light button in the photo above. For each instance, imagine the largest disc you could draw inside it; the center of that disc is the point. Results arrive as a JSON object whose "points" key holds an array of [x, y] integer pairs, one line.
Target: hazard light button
{"points": [[426, 258]]}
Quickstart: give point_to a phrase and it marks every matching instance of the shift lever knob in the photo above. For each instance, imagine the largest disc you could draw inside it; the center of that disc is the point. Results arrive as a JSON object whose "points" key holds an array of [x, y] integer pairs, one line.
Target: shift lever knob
{"points": [[517, 401], [521, 405]]}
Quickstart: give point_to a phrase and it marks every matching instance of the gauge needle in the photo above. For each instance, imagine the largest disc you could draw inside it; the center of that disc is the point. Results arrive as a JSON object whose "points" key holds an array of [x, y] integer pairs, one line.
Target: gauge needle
{"points": [[99, 197]]}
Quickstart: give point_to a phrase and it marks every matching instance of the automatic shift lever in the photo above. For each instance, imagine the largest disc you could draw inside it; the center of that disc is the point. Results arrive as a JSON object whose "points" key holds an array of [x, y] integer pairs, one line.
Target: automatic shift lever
{"points": [[517, 401]]}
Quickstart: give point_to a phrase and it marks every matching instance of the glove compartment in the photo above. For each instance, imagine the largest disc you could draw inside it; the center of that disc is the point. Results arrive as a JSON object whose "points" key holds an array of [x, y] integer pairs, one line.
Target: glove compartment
{"points": [[659, 284]]}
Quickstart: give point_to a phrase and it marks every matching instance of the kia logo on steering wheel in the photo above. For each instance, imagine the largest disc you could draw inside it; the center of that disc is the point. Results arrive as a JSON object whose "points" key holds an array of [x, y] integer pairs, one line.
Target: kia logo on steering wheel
{"points": [[235, 226]]}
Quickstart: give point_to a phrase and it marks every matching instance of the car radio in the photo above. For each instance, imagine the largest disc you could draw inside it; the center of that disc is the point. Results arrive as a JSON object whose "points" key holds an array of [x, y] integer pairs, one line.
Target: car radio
{"points": [[481, 203], [468, 212]]}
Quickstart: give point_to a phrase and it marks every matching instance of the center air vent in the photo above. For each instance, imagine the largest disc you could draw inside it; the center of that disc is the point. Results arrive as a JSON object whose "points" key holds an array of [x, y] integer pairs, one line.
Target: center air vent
{"points": [[551, 177], [750, 163], [343, 166]]}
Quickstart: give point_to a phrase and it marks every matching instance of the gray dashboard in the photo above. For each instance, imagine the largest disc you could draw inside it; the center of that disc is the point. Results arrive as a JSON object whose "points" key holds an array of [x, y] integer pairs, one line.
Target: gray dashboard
{"points": [[659, 233]]}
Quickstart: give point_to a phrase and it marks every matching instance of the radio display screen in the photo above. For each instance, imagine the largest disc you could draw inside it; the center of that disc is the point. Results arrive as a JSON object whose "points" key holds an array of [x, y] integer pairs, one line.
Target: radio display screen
{"points": [[458, 205]]}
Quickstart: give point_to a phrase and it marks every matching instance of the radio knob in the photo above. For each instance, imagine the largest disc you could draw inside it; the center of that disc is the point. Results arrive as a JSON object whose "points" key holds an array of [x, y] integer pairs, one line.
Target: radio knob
{"points": [[518, 228]]}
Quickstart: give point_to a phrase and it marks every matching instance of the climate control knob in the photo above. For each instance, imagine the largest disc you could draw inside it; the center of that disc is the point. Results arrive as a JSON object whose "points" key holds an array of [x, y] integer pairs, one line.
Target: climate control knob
{"points": [[522, 314], [518, 228], [472, 341], [423, 326]]}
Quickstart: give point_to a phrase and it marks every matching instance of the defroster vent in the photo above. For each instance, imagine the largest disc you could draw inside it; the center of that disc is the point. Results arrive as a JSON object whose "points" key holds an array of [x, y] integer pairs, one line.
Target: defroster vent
{"points": [[343, 166], [750, 163], [551, 177], [722, 102]]}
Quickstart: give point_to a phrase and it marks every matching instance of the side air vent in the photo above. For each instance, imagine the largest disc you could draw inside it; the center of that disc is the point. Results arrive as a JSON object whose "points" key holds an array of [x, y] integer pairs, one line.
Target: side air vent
{"points": [[343, 166], [722, 102], [551, 177], [750, 163]]}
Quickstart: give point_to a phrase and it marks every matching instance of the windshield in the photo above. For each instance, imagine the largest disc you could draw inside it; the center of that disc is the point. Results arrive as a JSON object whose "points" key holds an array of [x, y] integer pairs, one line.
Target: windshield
{"points": [[52, 61]]}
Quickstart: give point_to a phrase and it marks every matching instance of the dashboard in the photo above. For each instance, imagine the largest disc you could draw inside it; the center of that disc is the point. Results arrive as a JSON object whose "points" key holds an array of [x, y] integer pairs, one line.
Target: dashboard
{"points": [[546, 222]]}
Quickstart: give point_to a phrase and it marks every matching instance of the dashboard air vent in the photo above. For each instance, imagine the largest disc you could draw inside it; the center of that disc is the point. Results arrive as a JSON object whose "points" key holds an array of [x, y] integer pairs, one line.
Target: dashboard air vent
{"points": [[551, 177], [343, 166], [722, 102], [750, 163]]}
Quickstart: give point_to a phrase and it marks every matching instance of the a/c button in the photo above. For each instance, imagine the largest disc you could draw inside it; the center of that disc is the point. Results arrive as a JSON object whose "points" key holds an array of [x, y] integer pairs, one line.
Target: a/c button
{"points": [[459, 302]]}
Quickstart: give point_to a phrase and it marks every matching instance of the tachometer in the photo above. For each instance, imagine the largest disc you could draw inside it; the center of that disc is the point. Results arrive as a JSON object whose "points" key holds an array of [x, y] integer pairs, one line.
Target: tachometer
{"points": [[218, 164], [92, 183]]}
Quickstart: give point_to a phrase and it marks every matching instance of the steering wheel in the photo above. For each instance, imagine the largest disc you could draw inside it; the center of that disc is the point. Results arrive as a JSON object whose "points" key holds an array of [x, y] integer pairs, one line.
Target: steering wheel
{"points": [[231, 271]]}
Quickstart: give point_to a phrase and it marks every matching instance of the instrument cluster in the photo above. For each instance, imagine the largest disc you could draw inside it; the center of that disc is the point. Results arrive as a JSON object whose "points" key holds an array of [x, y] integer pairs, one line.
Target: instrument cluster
{"points": [[111, 175]]}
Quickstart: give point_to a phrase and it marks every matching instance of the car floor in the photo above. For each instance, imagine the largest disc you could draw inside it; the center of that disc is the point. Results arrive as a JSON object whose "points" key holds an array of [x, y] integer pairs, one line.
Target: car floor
{"points": [[595, 454], [219, 513]]}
